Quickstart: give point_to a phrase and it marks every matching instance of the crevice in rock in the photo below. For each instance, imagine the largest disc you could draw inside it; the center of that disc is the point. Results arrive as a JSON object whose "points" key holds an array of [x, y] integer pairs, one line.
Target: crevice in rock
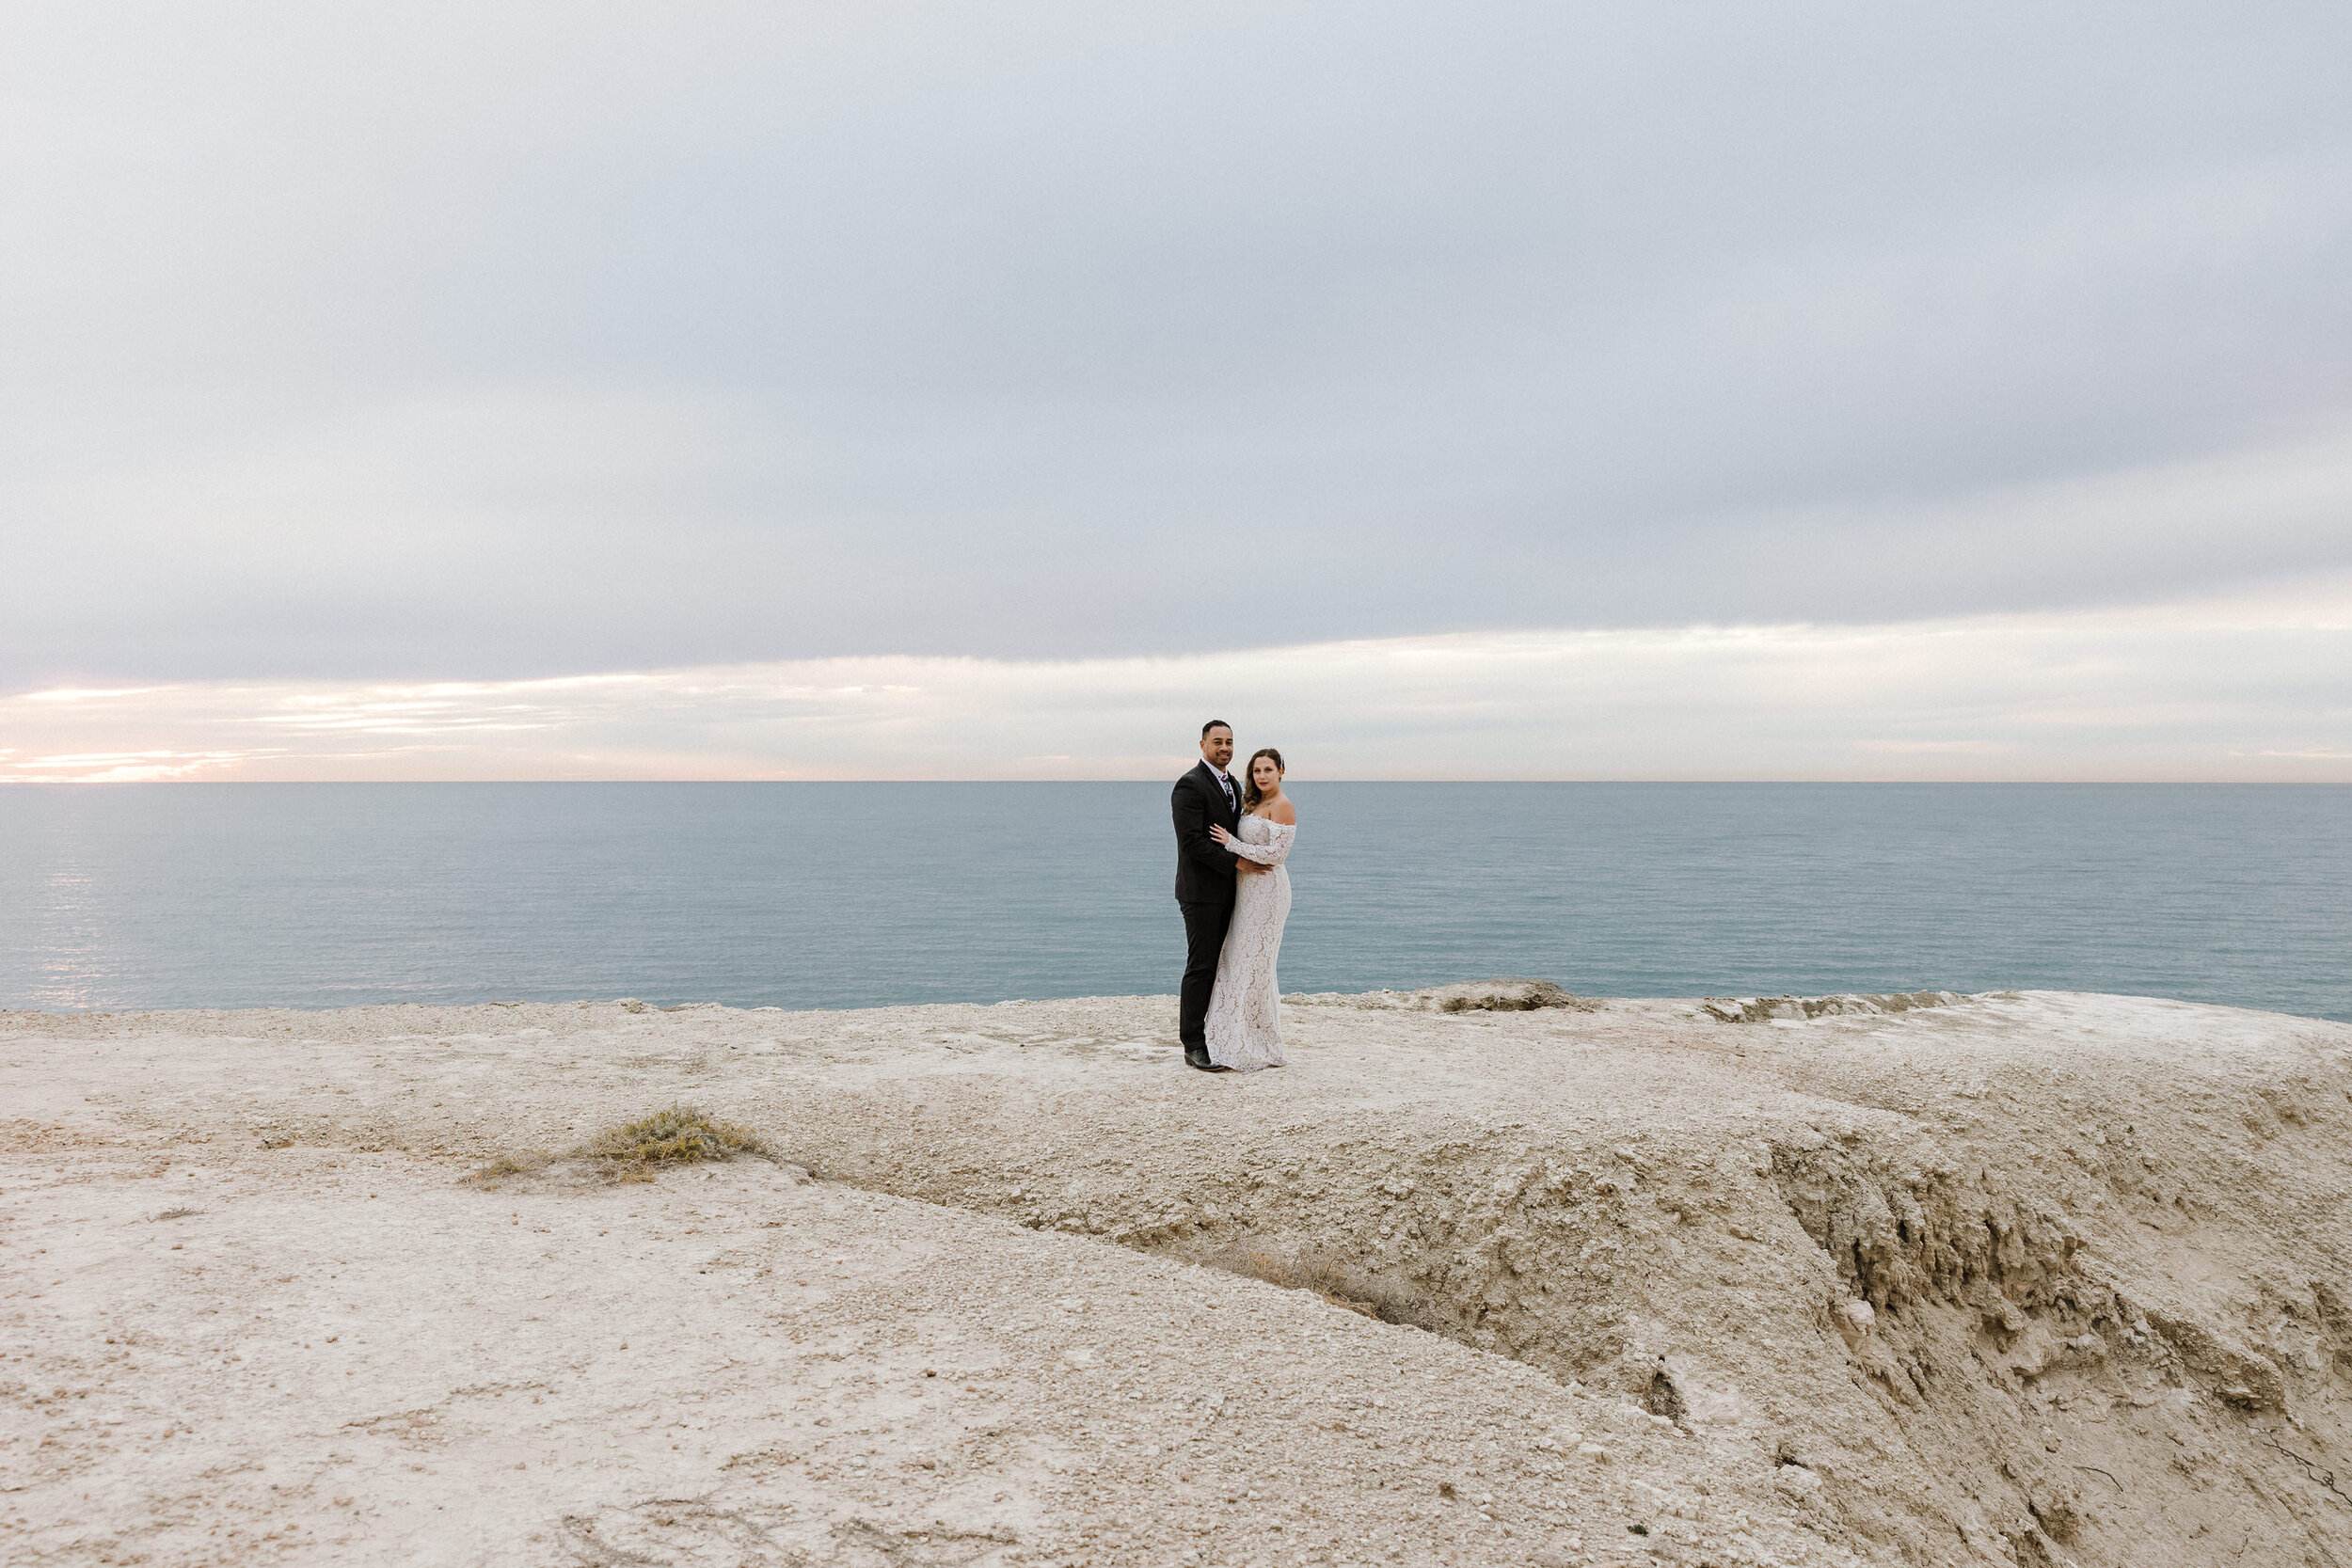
{"points": [[1664, 1399]]}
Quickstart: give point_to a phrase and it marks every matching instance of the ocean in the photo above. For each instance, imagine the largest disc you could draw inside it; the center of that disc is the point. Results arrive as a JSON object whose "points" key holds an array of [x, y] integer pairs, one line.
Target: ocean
{"points": [[852, 895]]}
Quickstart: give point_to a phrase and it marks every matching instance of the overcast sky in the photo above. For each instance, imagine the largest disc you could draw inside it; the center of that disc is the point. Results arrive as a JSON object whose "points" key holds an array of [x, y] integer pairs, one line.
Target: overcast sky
{"points": [[501, 342]]}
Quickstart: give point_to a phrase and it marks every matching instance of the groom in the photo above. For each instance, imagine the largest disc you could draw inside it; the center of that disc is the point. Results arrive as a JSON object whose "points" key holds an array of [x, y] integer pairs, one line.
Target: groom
{"points": [[1205, 880]]}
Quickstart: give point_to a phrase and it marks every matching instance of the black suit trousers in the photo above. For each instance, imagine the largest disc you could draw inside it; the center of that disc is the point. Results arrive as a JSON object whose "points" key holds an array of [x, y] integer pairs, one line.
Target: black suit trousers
{"points": [[1204, 941]]}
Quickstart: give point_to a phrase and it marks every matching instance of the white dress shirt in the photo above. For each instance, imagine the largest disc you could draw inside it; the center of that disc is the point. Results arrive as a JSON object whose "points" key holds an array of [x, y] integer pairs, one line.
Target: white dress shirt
{"points": [[1224, 782]]}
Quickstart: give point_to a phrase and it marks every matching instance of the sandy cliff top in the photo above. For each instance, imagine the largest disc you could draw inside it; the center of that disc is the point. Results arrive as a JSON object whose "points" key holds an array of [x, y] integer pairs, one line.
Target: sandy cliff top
{"points": [[2017, 1278]]}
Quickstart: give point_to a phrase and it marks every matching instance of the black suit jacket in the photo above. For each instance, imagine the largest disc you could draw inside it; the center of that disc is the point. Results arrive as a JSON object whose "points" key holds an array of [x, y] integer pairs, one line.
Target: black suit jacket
{"points": [[1204, 873]]}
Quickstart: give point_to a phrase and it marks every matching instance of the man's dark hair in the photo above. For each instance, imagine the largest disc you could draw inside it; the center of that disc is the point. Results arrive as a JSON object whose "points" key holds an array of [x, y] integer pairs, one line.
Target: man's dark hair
{"points": [[1214, 724]]}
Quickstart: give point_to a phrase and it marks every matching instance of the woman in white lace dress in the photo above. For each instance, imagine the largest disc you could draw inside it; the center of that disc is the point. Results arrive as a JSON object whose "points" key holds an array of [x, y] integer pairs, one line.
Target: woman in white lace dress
{"points": [[1245, 1025]]}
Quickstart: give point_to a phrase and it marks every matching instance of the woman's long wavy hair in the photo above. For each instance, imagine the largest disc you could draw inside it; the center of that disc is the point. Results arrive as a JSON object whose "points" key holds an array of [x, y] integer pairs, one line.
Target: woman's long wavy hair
{"points": [[1250, 795]]}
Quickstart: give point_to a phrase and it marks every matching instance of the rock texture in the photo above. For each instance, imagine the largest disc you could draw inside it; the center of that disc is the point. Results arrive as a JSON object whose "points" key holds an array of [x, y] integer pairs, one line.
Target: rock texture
{"points": [[2031, 1279]]}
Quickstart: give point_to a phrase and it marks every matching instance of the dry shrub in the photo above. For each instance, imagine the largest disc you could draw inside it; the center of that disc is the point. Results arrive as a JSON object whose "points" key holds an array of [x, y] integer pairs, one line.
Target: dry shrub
{"points": [[680, 1135], [635, 1150], [1509, 996], [522, 1164]]}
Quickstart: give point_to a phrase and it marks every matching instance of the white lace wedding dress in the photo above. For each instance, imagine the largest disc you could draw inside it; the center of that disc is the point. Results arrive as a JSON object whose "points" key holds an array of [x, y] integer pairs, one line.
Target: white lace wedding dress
{"points": [[1245, 1026]]}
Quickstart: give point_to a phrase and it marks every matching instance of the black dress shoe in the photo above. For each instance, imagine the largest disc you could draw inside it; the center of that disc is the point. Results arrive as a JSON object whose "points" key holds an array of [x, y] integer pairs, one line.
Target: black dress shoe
{"points": [[1206, 1067]]}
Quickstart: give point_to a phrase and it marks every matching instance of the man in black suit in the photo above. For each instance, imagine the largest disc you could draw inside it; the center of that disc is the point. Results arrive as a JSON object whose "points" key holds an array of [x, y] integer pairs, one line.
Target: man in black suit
{"points": [[1205, 880]]}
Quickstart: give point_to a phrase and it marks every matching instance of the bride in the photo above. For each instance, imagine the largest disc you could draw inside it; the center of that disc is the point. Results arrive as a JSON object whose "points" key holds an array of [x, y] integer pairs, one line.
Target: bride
{"points": [[1245, 1025]]}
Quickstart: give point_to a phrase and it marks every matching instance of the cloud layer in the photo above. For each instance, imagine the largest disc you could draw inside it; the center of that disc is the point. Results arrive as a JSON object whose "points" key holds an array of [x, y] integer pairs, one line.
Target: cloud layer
{"points": [[479, 344], [2240, 689]]}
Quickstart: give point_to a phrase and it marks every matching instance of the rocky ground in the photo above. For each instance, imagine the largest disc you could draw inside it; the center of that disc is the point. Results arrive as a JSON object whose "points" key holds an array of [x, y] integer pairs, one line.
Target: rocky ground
{"points": [[2031, 1278]]}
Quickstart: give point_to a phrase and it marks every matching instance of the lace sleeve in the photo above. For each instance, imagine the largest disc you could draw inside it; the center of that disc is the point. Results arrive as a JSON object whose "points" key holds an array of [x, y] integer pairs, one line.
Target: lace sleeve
{"points": [[1273, 853]]}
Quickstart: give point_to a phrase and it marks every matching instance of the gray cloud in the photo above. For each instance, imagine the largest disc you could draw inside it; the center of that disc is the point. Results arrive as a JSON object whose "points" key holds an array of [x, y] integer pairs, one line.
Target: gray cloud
{"points": [[515, 340]]}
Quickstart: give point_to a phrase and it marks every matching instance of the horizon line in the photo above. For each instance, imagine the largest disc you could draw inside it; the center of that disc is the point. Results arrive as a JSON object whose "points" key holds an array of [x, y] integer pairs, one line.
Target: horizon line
{"points": [[1910, 783]]}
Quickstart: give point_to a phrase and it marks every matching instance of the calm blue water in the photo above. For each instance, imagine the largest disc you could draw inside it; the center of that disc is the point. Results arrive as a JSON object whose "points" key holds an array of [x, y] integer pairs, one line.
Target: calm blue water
{"points": [[836, 895]]}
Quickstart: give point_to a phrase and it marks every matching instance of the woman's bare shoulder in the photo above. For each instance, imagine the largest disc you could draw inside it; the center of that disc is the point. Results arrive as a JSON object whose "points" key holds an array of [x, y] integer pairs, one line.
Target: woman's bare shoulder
{"points": [[1282, 812]]}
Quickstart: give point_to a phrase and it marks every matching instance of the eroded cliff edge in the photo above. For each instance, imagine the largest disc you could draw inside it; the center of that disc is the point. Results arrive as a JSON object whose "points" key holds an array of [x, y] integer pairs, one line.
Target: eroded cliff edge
{"points": [[2036, 1276]]}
